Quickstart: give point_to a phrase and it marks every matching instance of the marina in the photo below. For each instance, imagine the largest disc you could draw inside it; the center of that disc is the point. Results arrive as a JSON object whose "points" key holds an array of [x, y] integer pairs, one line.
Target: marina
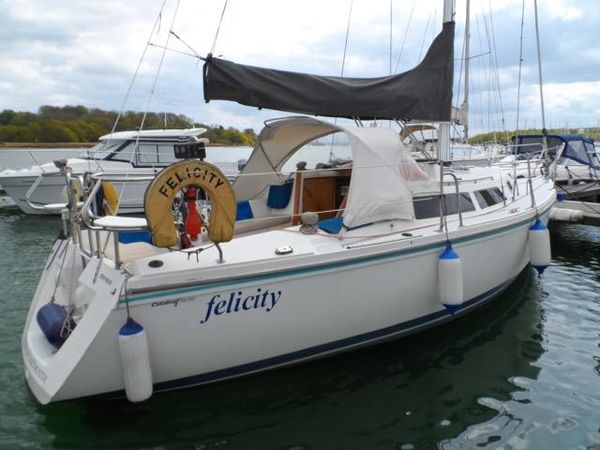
{"points": [[514, 382], [368, 257]]}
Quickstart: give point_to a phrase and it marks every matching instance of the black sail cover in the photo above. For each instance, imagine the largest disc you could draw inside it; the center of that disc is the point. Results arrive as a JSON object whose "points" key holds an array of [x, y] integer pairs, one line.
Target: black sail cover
{"points": [[422, 93]]}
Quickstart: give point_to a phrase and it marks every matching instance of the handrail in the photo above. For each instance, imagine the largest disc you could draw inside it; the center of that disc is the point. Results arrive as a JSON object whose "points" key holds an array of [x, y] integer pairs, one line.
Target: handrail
{"points": [[460, 220], [100, 176], [30, 191], [442, 201], [86, 212]]}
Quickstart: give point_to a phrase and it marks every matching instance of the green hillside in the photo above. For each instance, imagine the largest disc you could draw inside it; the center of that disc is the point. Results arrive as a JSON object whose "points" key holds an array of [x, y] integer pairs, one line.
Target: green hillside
{"points": [[501, 136], [80, 124]]}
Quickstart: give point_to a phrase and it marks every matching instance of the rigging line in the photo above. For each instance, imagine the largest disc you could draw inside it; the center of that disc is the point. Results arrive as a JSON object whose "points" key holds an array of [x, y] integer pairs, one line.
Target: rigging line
{"points": [[212, 49], [520, 69], [539, 57], [346, 40], [405, 34], [391, 32], [178, 51], [424, 36], [484, 84], [494, 61], [460, 74], [187, 45], [156, 25], [331, 154], [150, 96], [494, 78]]}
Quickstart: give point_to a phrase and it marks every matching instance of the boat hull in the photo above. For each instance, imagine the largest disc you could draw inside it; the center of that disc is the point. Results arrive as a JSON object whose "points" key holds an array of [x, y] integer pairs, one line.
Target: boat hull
{"points": [[51, 191], [228, 328]]}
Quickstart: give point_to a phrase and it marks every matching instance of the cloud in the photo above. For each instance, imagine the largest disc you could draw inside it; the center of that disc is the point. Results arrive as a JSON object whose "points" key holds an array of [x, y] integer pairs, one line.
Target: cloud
{"points": [[86, 52]]}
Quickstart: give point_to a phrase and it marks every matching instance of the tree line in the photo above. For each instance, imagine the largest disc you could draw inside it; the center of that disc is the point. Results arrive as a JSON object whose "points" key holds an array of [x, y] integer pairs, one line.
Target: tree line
{"points": [[80, 124], [504, 136]]}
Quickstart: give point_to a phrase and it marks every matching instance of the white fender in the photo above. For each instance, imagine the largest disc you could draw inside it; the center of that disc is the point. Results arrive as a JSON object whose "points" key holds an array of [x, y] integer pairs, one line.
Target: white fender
{"points": [[566, 215], [450, 279], [539, 246], [135, 359]]}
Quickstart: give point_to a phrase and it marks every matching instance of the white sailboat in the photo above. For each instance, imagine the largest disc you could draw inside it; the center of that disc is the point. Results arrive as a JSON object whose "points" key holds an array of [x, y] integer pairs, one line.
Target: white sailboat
{"points": [[290, 269]]}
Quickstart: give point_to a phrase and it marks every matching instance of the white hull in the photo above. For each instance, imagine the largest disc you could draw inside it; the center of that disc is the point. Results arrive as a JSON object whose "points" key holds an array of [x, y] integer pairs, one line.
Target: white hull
{"points": [[52, 190], [122, 154], [272, 292], [6, 202], [335, 304]]}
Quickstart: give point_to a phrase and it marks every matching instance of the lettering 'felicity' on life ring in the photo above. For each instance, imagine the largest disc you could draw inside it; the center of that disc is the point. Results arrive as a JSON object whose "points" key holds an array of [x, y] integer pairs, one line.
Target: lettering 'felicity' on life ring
{"points": [[160, 193]]}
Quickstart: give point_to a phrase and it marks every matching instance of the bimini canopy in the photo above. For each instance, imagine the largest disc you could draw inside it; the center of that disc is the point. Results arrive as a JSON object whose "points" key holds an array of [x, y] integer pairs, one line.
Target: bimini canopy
{"points": [[382, 168], [577, 148], [423, 93]]}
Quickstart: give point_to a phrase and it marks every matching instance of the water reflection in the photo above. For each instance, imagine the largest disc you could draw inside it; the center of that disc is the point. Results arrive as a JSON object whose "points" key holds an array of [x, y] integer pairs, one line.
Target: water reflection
{"points": [[575, 245], [419, 390]]}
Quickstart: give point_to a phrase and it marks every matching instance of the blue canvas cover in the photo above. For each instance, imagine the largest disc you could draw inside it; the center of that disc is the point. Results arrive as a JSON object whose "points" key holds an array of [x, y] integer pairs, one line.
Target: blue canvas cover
{"points": [[577, 148]]}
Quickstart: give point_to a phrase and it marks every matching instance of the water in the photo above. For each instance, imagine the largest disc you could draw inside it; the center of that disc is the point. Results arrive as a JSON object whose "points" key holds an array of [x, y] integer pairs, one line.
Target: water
{"points": [[27, 157], [313, 154], [522, 373]]}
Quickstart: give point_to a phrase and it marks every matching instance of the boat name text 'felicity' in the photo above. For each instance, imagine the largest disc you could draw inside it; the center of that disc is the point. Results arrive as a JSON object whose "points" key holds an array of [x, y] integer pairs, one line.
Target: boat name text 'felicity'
{"points": [[238, 302], [195, 172]]}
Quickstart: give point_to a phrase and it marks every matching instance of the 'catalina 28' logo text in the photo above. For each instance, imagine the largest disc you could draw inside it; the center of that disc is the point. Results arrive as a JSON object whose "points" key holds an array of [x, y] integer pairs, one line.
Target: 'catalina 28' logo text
{"points": [[239, 301]]}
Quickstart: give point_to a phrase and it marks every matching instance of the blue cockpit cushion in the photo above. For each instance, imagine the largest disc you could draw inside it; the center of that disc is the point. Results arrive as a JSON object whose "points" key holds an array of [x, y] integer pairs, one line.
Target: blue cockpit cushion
{"points": [[244, 211], [333, 225], [279, 195], [128, 237]]}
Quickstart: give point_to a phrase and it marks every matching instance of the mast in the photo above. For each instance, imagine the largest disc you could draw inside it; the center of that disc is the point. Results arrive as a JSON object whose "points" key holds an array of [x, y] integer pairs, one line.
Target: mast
{"points": [[539, 57], [444, 137], [465, 106]]}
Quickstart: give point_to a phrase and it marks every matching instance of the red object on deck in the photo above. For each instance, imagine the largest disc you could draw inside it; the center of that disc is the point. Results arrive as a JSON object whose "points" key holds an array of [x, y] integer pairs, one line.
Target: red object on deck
{"points": [[193, 221]]}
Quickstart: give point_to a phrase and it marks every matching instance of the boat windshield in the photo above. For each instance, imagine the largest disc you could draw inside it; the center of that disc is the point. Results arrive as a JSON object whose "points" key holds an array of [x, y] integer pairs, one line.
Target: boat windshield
{"points": [[321, 153], [466, 152], [101, 150]]}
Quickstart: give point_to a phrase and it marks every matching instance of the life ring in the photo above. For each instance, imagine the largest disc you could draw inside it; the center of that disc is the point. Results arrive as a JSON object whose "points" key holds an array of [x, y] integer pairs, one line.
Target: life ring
{"points": [[111, 198], [77, 191], [160, 193]]}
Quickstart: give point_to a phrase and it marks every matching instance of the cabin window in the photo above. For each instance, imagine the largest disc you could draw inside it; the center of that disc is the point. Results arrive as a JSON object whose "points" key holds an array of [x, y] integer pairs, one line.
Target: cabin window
{"points": [[102, 150], [426, 207], [166, 154], [125, 154], [147, 154], [489, 197]]}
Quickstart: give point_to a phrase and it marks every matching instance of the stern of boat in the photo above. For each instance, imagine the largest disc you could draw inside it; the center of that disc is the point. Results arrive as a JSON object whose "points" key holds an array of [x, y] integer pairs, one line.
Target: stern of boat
{"points": [[97, 287]]}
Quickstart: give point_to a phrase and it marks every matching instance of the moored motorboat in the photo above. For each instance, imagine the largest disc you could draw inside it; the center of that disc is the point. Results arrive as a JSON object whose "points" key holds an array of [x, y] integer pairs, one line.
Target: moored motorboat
{"points": [[125, 153], [5, 200]]}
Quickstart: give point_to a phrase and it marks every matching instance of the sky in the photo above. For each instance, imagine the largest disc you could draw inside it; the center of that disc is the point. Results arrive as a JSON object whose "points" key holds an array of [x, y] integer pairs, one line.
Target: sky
{"points": [[96, 53]]}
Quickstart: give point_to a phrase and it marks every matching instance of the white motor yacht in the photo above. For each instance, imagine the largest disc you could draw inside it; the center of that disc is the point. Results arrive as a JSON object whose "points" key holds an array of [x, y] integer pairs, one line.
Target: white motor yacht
{"points": [[126, 153]]}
